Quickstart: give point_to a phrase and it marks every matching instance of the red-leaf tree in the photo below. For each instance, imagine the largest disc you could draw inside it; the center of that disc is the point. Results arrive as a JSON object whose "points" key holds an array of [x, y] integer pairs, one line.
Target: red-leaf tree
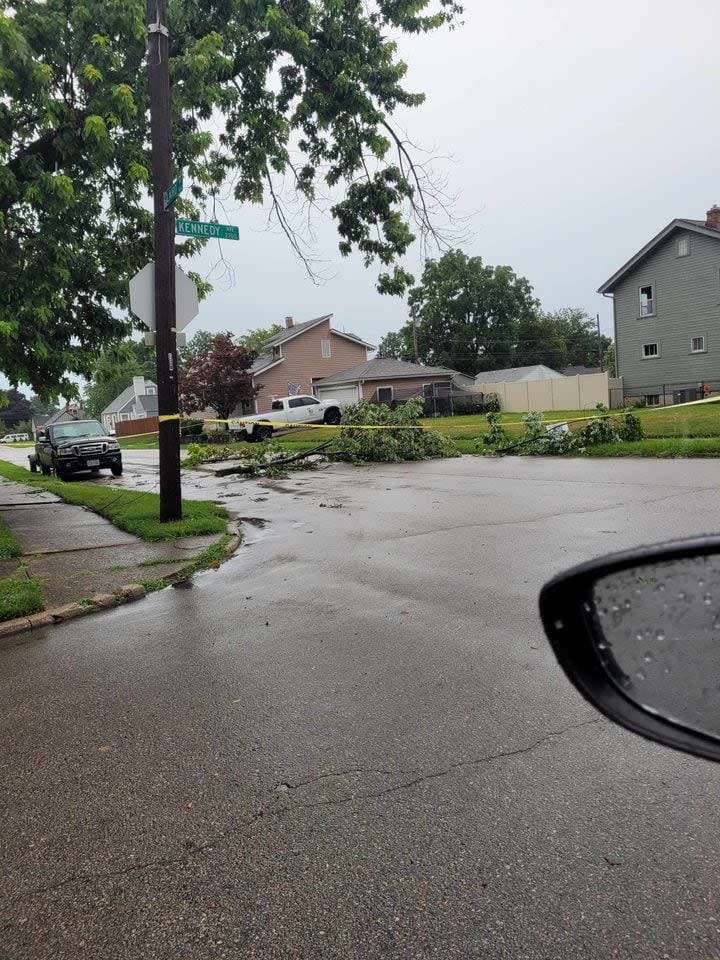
{"points": [[217, 378]]}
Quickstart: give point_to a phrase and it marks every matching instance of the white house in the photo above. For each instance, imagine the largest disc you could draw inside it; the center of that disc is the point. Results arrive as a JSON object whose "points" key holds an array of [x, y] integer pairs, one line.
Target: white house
{"points": [[137, 401]]}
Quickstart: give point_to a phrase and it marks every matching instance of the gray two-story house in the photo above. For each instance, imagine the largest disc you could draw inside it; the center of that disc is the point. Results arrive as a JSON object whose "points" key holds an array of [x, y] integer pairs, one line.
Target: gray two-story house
{"points": [[666, 303]]}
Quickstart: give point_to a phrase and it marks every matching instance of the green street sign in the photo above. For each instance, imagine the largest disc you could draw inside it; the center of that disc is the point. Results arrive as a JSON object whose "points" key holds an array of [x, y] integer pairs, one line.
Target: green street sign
{"points": [[173, 192], [196, 228]]}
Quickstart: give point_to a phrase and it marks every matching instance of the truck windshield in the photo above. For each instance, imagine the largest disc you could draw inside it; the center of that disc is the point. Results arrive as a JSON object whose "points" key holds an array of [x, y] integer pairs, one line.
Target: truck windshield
{"points": [[87, 428]]}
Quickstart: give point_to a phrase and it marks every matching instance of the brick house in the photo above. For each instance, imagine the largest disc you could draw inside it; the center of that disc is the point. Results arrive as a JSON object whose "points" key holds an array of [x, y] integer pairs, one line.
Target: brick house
{"points": [[303, 353], [383, 380]]}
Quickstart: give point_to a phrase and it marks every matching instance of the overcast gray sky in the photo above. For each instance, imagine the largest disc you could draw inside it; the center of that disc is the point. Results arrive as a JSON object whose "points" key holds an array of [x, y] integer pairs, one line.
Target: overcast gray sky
{"points": [[577, 130]]}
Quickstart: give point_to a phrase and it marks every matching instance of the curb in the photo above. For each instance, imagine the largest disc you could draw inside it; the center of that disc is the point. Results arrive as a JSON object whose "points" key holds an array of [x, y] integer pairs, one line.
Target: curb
{"points": [[69, 611], [101, 601]]}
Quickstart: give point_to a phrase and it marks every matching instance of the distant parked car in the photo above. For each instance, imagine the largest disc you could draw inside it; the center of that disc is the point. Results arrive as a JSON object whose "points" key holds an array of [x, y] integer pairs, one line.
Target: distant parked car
{"points": [[76, 445], [15, 438]]}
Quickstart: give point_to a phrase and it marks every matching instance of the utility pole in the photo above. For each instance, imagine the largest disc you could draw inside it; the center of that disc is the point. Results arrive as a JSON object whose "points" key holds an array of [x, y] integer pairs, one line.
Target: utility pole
{"points": [[165, 344], [600, 353]]}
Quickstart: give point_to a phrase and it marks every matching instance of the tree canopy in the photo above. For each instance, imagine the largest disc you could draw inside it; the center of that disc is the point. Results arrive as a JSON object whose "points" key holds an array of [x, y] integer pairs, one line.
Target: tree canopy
{"points": [[257, 338], [472, 317], [217, 378], [467, 313], [267, 96], [114, 370]]}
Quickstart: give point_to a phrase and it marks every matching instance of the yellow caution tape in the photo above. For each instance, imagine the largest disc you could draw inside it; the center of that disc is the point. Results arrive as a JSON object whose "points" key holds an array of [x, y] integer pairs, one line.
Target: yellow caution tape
{"points": [[383, 426]]}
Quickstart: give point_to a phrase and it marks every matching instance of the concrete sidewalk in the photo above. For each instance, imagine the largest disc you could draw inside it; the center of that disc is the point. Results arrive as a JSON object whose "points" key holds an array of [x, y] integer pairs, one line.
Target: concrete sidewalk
{"points": [[76, 554]]}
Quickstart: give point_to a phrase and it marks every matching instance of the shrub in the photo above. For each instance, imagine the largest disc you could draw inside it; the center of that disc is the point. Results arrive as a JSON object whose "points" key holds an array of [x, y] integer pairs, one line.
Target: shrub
{"points": [[632, 428], [598, 430], [492, 403], [411, 442], [496, 434]]}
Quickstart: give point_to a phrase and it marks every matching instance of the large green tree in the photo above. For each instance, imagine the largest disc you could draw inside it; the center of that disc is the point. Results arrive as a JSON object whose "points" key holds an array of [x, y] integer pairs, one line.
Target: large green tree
{"points": [[256, 339], [467, 313], [579, 333], [114, 370], [267, 94]]}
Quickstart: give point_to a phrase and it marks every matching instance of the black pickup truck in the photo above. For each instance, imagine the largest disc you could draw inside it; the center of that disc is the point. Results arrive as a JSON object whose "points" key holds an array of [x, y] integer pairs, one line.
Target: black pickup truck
{"points": [[73, 446]]}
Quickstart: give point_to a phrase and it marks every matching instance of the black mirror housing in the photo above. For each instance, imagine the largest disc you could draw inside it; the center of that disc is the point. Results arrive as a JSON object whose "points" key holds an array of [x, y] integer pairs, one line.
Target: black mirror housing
{"points": [[599, 618]]}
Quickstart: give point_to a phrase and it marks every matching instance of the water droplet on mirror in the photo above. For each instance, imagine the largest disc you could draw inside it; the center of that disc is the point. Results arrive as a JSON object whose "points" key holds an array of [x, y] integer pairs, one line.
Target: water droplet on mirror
{"points": [[626, 604], [682, 595], [558, 624], [666, 670], [647, 657], [640, 674], [701, 582], [660, 588], [707, 599], [660, 636]]}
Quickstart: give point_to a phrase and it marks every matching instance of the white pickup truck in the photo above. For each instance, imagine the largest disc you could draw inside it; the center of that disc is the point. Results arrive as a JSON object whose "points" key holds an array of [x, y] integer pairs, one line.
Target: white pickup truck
{"points": [[301, 409]]}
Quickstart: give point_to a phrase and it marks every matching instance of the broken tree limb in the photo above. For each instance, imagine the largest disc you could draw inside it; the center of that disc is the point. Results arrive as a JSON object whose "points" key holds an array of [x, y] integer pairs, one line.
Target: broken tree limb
{"points": [[270, 464]]}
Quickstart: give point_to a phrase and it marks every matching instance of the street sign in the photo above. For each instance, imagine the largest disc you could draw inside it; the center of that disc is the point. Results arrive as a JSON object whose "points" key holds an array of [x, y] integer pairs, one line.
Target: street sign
{"points": [[173, 192], [142, 297], [215, 231]]}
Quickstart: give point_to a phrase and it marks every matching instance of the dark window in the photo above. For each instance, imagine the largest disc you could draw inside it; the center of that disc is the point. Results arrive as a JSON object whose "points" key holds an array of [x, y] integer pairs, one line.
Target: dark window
{"points": [[652, 399], [297, 402], [277, 405], [697, 345], [650, 350], [647, 301], [385, 394], [310, 401]]}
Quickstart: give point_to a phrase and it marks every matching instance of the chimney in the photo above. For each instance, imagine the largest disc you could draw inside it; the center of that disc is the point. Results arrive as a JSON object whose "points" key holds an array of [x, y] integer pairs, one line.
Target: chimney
{"points": [[289, 322], [139, 386], [712, 221]]}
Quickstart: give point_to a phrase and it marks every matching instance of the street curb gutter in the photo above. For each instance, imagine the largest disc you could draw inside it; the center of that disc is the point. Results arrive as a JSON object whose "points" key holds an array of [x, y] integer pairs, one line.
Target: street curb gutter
{"points": [[101, 601]]}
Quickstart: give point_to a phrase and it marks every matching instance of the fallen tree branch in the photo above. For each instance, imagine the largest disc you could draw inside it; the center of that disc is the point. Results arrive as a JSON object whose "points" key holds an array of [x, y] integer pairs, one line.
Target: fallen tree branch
{"points": [[270, 464]]}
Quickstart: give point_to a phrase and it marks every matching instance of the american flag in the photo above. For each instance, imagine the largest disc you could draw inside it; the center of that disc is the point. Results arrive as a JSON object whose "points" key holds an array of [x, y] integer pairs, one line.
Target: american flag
{"points": [[293, 389]]}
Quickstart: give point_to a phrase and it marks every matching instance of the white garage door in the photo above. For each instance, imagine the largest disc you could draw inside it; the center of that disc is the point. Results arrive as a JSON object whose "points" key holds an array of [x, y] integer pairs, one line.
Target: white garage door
{"points": [[343, 395]]}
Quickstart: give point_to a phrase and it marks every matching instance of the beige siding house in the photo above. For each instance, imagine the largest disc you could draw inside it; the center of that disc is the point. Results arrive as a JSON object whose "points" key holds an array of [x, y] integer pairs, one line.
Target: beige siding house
{"points": [[302, 354]]}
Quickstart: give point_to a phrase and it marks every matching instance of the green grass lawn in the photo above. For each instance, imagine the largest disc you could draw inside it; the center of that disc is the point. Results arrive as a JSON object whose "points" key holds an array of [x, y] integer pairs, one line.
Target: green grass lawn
{"points": [[663, 447], [135, 511], [9, 547], [19, 597], [672, 424]]}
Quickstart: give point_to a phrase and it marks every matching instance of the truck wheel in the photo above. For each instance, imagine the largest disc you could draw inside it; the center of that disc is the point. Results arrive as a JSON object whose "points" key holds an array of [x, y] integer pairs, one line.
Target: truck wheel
{"points": [[58, 470], [116, 470], [33, 466], [46, 471], [332, 416], [262, 433]]}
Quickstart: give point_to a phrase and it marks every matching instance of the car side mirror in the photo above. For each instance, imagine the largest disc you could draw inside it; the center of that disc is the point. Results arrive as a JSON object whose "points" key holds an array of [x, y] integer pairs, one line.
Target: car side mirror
{"points": [[638, 634]]}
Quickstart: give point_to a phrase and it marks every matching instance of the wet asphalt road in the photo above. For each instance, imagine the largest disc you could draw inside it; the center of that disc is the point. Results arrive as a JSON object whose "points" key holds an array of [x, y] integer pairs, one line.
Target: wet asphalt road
{"points": [[352, 741]]}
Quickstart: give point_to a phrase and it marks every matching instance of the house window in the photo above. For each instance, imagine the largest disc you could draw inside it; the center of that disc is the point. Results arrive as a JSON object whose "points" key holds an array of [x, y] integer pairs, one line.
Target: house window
{"points": [[385, 395], [325, 348], [647, 301], [652, 399], [697, 344], [650, 350], [683, 247], [150, 391]]}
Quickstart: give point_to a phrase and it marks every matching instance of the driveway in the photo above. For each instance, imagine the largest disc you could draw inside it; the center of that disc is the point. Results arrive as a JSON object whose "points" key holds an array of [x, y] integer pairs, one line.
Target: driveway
{"points": [[352, 741]]}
